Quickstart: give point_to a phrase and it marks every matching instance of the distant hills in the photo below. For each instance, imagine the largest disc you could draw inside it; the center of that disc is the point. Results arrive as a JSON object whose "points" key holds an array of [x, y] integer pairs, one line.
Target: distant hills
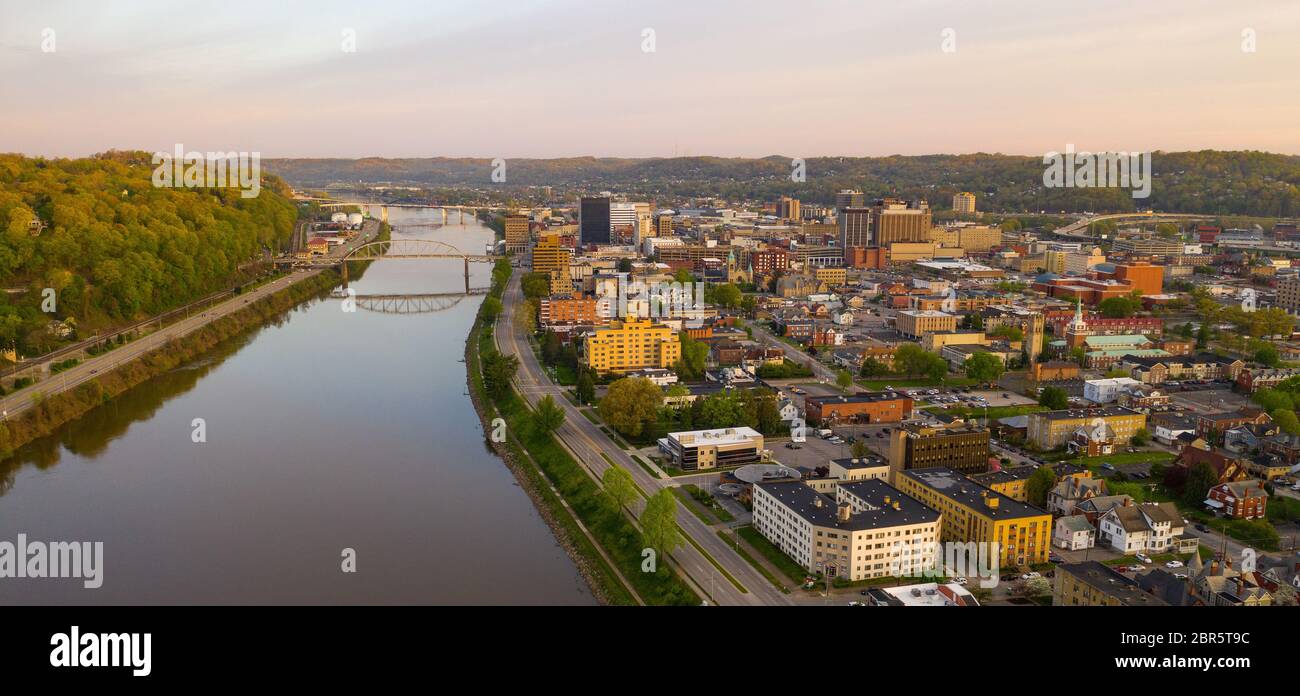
{"points": [[1244, 183]]}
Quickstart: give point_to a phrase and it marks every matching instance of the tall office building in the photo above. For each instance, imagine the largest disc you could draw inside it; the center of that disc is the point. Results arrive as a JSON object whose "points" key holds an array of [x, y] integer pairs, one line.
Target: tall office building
{"points": [[788, 209], [894, 220], [964, 203], [645, 223], [850, 199], [594, 220], [516, 233], [855, 227], [664, 226]]}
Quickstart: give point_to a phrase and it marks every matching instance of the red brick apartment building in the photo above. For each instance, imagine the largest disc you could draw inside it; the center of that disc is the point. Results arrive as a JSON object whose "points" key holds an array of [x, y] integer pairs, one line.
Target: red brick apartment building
{"points": [[1239, 500]]}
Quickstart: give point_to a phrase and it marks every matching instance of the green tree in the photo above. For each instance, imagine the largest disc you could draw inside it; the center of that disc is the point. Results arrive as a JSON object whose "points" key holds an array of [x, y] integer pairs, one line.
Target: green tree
{"points": [[1054, 398], [619, 486], [630, 403], [690, 366], [498, 370], [984, 368], [1200, 479], [1203, 336], [535, 285], [1267, 355], [1287, 421], [859, 449], [872, 367], [843, 379], [659, 522], [1117, 307], [549, 415], [1140, 437], [726, 295], [585, 389], [1040, 483]]}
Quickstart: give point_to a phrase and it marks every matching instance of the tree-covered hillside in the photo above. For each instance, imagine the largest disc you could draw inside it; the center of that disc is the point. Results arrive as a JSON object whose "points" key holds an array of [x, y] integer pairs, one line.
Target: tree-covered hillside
{"points": [[114, 247], [1211, 182]]}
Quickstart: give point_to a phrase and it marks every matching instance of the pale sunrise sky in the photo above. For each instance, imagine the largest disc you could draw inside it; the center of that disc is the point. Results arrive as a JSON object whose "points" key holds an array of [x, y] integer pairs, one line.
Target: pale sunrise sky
{"points": [[518, 78]]}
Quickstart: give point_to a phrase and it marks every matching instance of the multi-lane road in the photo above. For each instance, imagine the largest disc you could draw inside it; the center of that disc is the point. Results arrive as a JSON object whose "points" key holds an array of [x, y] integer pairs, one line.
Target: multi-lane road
{"points": [[588, 444]]}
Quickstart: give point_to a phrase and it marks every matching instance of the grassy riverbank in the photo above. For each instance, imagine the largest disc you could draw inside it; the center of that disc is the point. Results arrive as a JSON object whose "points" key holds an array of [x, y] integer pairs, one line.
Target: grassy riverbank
{"points": [[569, 499]]}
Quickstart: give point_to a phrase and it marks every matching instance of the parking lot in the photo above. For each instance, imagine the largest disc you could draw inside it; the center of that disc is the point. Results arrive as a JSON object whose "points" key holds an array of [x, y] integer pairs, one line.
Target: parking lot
{"points": [[1209, 400]]}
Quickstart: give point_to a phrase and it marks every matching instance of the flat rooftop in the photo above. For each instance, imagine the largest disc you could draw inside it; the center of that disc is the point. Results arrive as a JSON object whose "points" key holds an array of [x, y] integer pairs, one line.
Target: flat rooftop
{"points": [[719, 436], [820, 509], [960, 489]]}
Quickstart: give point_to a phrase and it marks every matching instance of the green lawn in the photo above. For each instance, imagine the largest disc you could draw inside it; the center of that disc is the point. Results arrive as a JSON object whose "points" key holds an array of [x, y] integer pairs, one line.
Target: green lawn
{"points": [[775, 556], [729, 538]]}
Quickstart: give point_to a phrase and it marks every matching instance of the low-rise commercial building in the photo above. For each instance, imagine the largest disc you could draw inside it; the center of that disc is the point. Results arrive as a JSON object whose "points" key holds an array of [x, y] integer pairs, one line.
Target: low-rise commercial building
{"points": [[694, 450], [864, 407], [917, 323], [1052, 429]]}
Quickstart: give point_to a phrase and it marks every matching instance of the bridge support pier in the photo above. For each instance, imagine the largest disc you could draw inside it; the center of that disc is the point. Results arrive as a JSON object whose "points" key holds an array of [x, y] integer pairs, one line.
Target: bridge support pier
{"points": [[466, 275], [343, 269]]}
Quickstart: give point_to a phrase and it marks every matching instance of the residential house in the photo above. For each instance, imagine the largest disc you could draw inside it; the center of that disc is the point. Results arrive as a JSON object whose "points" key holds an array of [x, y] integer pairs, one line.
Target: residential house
{"points": [[1146, 528], [1073, 533], [1241, 500], [1070, 492]]}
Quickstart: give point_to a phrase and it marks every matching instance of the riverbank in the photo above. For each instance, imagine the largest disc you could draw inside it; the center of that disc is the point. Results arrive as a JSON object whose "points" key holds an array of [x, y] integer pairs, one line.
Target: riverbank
{"points": [[47, 413], [602, 540], [569, 534]]}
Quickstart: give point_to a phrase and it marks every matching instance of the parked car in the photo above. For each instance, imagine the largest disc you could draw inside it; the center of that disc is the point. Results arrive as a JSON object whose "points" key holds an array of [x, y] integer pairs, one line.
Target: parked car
{"points": [[1174, 564], [1032, 575], [1142, 557]]}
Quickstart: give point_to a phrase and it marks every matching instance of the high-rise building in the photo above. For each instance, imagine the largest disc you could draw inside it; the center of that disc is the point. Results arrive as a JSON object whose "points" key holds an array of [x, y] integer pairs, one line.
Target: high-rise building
{"points": [[964, 203], [664, 226], [645, 223], [788, 209], [516, 233], [622, 222], [594, 220], [551, 258], [855, 227], [894, 220], [848, 198]]}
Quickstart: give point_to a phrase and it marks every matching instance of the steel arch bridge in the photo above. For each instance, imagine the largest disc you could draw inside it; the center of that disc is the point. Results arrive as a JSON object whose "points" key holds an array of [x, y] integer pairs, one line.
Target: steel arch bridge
{"points": [[411, 249], [410, 303]]}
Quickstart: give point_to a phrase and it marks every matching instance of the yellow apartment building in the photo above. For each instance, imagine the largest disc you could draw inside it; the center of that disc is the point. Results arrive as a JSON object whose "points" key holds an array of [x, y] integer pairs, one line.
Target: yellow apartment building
{"points": [[630, 345], [973, 513]]}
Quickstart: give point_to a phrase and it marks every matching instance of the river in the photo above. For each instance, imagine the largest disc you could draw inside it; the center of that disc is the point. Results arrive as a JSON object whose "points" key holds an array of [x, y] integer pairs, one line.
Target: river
{"points": [[326, 430]]}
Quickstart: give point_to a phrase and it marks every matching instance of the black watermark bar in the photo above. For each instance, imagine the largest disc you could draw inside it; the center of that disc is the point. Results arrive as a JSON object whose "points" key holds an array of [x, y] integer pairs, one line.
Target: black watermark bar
{"points": [[156, 645]]}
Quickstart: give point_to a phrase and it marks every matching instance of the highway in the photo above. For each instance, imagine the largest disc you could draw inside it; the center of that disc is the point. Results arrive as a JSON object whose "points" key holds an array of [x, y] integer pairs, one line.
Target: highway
{"points": [[90, 368], [588, 443]]}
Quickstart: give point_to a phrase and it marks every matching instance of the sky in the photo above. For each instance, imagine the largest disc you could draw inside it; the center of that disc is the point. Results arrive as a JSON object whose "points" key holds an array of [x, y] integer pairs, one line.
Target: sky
{"points": [[742, 78]]}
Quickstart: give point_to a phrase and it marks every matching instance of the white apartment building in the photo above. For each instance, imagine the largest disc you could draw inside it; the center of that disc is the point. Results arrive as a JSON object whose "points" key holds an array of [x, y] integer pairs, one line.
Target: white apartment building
{"points": [[1105, 391], [868, 529]]}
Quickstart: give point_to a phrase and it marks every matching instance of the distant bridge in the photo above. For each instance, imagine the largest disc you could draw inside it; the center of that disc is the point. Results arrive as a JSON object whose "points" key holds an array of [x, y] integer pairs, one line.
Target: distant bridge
{"points": [[383, 208], [402, 249], [411, 303], [1073, 229]]}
